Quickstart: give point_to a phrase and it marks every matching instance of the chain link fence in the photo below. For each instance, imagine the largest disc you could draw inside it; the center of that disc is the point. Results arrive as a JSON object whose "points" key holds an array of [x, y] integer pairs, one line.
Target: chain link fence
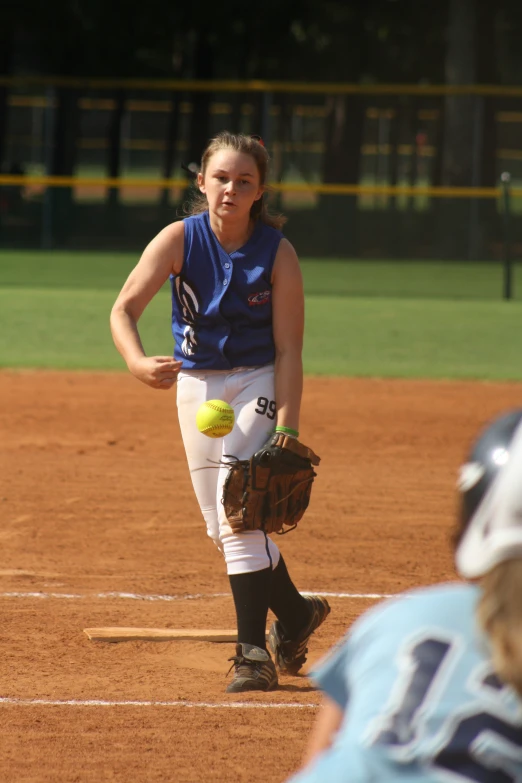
{"points": [[371, 172]]}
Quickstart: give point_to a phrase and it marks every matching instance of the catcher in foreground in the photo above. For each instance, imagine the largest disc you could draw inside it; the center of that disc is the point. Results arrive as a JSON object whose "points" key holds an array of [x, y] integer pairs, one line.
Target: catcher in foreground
{"points": [[270, 491]]}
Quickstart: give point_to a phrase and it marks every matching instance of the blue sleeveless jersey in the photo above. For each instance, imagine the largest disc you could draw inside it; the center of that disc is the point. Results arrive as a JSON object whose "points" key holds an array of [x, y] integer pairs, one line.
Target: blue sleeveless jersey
{"points": [[422, 703], [221, 302]]}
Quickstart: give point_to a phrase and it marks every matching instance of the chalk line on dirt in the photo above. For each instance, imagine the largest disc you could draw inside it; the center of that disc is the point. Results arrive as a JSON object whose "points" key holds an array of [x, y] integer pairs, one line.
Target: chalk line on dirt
{"points": [[136, 703], [145, 597]]}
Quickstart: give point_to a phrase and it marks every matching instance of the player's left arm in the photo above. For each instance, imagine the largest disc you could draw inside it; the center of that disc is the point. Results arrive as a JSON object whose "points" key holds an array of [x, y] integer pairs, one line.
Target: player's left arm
{"points": [[324, 730], [288, 329]]}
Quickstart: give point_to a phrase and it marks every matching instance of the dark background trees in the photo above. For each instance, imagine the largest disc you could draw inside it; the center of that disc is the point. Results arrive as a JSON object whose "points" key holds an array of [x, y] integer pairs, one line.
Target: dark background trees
{"points": [[399, 41]]}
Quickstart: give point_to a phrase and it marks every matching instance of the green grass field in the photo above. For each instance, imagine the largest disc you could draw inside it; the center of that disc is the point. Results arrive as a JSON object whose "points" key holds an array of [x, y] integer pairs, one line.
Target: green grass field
{"points": [[364, 318]]}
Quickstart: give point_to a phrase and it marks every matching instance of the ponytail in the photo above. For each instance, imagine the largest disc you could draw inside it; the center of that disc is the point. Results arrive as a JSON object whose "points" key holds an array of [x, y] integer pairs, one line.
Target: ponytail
{"points": [[499, 614], [260, 211]]}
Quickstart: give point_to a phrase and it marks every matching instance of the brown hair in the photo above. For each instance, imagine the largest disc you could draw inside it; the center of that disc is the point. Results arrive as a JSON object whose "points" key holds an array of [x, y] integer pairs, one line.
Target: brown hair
{"points": [[499, 613], [248, 145]]}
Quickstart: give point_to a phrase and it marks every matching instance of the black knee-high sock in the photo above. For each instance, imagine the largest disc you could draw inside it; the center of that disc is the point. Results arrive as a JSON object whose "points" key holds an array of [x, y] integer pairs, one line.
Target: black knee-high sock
{"points": [[251, 594], [286, 602]]}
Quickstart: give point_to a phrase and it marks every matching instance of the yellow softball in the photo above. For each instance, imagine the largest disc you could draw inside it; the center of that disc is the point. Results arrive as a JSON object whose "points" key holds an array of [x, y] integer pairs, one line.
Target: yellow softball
{"points": [[215, 418]]}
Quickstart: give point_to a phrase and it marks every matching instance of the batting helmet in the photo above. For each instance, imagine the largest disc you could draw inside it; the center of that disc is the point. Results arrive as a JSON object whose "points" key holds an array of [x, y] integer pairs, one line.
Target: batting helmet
{"points": [[490, 488]]}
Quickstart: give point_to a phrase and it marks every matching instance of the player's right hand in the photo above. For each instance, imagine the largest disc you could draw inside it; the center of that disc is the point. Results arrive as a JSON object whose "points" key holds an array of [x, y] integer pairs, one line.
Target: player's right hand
{"points": [[160, 372]]}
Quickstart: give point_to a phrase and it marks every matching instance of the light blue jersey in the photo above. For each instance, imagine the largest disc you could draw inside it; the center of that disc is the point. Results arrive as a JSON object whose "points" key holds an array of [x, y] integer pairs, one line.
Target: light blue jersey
{"points": [[222, 302], [422, 702]]}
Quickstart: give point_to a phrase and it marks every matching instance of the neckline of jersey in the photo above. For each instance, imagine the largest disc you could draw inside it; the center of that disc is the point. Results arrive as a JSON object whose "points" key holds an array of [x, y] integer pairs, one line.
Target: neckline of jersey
{"points": [[240, 250]]}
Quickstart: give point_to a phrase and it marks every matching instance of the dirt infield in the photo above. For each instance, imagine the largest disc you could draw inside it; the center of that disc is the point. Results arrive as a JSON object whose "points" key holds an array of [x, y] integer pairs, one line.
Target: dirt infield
{"points": [[100, 528]]}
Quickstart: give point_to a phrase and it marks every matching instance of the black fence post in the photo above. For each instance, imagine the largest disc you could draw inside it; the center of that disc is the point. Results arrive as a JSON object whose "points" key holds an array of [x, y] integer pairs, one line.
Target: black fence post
{"points": [[171, 145], [49, 199], [114, 149], [505, 178]]}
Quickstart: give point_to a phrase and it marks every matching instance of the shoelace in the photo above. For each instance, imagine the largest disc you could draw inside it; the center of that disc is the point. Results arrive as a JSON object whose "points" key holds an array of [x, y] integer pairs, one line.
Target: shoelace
{"points": [[236, 660], [239, 661]]}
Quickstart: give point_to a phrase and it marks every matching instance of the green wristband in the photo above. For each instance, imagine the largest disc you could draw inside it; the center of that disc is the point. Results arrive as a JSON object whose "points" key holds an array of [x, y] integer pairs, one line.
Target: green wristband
{"points": [[287, 431]]}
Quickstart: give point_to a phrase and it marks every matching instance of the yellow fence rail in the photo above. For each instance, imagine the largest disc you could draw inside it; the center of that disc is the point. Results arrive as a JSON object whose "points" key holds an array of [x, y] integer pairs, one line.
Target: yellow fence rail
{"points": [[190, 85], [283, 187]]}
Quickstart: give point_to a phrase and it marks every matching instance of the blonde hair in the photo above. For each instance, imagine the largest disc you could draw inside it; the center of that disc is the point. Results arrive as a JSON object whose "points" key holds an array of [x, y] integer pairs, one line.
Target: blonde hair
{"points": [[247, 145], [499, 614]]}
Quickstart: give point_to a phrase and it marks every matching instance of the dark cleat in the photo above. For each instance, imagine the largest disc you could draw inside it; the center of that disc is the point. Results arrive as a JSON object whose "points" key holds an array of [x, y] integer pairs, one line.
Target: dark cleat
{"points": [[254, 670], [290, 654]]}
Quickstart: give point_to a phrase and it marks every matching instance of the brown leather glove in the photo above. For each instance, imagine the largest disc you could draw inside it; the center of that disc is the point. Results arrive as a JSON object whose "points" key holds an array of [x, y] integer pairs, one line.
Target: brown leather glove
{"points": [[270, 491]]}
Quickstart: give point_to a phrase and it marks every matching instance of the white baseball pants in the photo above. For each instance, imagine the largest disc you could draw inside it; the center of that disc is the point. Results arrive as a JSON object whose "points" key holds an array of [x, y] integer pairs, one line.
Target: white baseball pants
{"points": [[250, 392]]}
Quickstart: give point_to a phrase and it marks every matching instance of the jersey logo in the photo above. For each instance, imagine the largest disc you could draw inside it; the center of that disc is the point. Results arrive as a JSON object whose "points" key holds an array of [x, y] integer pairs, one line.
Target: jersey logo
{"points": [[189, 304], [261, 298]]}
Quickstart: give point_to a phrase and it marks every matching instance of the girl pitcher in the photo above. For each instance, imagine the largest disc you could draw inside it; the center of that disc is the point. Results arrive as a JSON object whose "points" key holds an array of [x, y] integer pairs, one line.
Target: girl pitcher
{"points": [[237, 322]]}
